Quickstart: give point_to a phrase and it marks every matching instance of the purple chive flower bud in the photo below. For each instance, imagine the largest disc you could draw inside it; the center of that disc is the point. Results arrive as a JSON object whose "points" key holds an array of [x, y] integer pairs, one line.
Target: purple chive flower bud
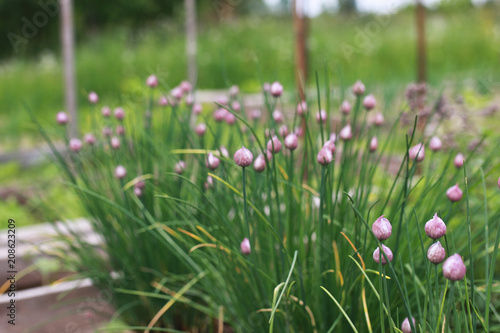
{"points": [[62, 118], [387, 251], [459, 160], [417, 152], [185, 86], [321, 117], [220, 114], [379, 119], [346, 133], [277, 116], [276, 143], [255, 114], [299, 131], [454, 193], [197, 108], [152, 81], [291, 141], [382, 228], [229, 118], [266, 87], [358, 88], [236, 106], [140, 184], [106, 131], [120, 130], [260, 163], [435, 227], [498, 182], [93, 98], [137, 191], [209, 183], [75, 145], [405, 325], [333, 137], [283, 131], [234, 91], [345, 107], [176, 93], [212, 161], [436, 253], [369, 102], [373, 144], [243, 157], [189, 100], [454, 268], [180, 167], [120, 172], [222, 100], [106, 111], [435, 144], [163, 101], [224, 152], [89, 139], [325, 156], [115, 143], [276, 89], [200, 129], [302, 108], [330, 145], [119, 113], [245, 247]]}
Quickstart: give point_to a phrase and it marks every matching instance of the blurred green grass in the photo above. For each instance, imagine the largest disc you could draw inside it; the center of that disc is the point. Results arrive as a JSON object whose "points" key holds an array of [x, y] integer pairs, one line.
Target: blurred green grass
{"points": [[378, 50]]}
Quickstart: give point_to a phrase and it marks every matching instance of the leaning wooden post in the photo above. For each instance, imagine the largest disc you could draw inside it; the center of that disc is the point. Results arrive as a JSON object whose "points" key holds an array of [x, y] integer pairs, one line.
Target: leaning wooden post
{"points": [[68, 53], [421, 56], [300, 30], [190, 7]]}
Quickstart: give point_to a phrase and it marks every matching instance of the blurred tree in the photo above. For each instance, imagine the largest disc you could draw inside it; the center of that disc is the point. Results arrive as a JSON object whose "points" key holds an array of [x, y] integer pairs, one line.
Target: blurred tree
{"points": [[347, 6]]}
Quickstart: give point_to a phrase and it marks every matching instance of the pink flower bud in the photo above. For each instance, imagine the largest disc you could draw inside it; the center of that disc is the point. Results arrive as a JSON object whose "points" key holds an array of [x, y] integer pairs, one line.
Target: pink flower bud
{"points": [[115, 142], [106, 131], [283, 131], [373, 144], [120, 172], [152, 81], [321, 117], [230, 118], [379, 119], [302, 108], [75, 145], [269, 155], [236, 106], [220, 114], [325, 156], [382, 228], [180, 167], [62, 118], [498, 182], [177, 93], [333, 137], [209, 183], [454, 193], [197, 108], [89, 139], [345, 107], [274, 145], [405, 325], [106, 111], [140, 184], [436, 253], [224, 152], [189, 100], [185, 86], [369, 102], [266, 87], [120, 130], [222, 100], [119, 113], [200, 129], [299, 131], [243, 157], [212, 161], [435, 227], [454, 268], [260, 163], [387, 251], [277, 116], [276, 89], [417, 152], [330, 145], [163, 101], [245, 247], [255, 114], [93, 98], [435, 143], [137, 191], [291, 141], [346, 133], [234, 91], [459, 160], [358, 88]]}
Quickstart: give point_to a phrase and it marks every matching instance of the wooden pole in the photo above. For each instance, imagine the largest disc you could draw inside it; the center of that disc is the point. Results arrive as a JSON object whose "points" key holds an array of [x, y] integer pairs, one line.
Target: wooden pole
{"points": [[190, 7], [300, 30], [68, 54], [421, 52]]}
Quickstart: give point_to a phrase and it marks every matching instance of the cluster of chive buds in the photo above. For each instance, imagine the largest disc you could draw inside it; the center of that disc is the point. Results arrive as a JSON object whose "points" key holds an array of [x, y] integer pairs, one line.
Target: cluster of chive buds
{"points": [[382, 229]]}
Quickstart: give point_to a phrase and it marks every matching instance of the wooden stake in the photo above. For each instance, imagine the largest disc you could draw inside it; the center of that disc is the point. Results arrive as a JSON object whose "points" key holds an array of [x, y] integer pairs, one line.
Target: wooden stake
{"points": [[190, 7], [300, 29]]}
